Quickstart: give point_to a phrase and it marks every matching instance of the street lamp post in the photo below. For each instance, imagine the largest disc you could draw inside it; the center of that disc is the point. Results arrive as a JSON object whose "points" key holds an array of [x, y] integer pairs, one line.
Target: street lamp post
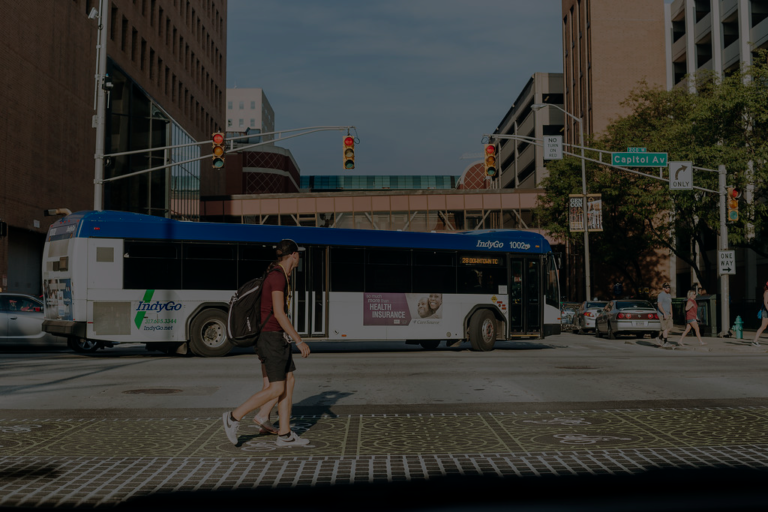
{"points": [[101, 103], [587, 279]]}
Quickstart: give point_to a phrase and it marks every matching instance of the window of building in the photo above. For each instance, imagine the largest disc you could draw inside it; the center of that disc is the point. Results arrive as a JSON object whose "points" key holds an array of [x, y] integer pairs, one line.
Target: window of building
{"points": [[253, 123], [242, 105], [241, 123], [229, 105], [253, 105]]}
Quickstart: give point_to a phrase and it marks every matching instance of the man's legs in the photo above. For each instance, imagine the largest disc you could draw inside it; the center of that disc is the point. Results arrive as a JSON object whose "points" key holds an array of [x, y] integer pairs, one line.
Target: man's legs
{"points": [[262, 417], [285, 404]]}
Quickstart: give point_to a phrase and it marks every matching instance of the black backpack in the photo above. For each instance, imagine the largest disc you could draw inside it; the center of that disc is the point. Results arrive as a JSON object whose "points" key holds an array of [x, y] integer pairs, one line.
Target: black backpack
{"points": [[244, 320]]}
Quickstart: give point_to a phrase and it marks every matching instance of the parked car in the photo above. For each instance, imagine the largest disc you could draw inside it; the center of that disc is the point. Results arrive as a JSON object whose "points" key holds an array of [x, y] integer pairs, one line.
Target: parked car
{"points": [[585, 317], [636, 317], [21, 322]]}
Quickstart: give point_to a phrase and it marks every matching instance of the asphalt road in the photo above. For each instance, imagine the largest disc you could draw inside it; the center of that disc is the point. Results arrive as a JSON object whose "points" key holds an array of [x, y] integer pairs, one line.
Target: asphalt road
{"points": [[373, 377], [126, 424]]}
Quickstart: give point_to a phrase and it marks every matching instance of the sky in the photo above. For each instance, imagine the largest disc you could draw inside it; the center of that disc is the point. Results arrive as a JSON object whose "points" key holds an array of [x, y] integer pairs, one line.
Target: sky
{"points": [[422, 80]]}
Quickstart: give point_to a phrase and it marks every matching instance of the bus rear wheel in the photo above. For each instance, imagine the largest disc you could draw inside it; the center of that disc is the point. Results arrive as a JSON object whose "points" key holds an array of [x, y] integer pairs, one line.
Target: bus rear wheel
{"points": [[482, 331], [83, 345], [209, 334]]}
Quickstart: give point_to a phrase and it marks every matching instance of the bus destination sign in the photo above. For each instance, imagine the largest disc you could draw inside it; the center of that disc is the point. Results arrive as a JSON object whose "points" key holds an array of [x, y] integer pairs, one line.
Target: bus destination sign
{"points": [[479, 260]]}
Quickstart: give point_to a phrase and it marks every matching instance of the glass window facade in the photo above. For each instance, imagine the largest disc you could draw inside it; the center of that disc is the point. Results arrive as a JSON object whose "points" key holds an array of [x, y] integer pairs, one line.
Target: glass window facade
{"points": [[318, 183]]}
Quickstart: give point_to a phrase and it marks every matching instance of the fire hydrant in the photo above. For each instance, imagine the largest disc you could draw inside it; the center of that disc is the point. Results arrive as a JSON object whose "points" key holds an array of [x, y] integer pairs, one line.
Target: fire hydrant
{"points": [[738, 328]]}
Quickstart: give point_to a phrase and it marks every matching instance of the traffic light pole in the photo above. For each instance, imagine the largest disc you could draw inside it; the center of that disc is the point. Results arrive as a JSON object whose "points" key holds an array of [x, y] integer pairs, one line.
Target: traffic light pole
{"points": [[725, 302], [101, 106], [307, 131]]}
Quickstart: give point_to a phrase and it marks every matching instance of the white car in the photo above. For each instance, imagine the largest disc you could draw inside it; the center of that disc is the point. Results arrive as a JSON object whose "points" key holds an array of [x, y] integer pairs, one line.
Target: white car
{"points": [[584, 319], [628, 316], [21, 322]]}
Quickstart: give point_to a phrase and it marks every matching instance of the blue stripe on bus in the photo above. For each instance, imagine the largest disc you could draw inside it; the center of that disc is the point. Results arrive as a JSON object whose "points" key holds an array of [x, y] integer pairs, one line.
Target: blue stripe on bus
{"points": [[109, 224]]}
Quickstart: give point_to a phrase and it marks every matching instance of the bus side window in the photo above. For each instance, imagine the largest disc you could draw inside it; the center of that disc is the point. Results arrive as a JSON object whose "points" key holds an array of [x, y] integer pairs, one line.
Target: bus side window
{"points": [[209, 266], [347, 269], [252, 261], [434, 272], [152, 264], [388, 270], [552, 293]]}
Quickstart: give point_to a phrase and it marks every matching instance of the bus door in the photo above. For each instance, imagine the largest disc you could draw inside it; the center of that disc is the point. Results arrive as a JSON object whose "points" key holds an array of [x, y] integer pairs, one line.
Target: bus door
{"points": [[524, 295], [310, 294]]}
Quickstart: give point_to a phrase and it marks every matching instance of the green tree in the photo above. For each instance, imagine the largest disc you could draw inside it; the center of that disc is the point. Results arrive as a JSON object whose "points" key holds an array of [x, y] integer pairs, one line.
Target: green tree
{"points": [[724, 122]]}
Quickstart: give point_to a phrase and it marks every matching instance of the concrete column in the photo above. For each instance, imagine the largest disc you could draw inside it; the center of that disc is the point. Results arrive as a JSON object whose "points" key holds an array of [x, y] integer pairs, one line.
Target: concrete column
{"points": [[717, 38], [668, 45], [690, 44], [745, 48]]}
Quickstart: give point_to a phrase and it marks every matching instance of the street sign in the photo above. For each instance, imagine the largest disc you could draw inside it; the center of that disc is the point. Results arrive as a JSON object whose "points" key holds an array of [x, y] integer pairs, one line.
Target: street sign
{"points": [[680, 176], [639, 159], [553, 147], [636, 150], [727, 261]]}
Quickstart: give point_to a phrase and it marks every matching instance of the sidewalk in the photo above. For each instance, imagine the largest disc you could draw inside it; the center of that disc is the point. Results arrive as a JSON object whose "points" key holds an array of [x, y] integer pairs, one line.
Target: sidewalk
{"points": [[713, 344]]}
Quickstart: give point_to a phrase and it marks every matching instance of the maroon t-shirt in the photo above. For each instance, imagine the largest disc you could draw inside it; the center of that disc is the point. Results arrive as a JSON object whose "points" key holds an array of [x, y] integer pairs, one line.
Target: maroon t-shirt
{"points": [[275, 281]]}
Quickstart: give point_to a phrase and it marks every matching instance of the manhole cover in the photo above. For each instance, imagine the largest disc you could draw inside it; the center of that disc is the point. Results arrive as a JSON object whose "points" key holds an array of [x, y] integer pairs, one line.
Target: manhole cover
{"points": [[577, 367], [151, 391]]}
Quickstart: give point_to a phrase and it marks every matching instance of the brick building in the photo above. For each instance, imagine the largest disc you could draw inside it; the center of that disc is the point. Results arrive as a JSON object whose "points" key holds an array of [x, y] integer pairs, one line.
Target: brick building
{"points": [[167, 61]]}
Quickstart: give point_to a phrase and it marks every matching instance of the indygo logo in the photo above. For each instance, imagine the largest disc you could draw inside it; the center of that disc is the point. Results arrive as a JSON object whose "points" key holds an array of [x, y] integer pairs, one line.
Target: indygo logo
{"points": [[147, 305], [495, 244], [490, 244], [159, 306]]}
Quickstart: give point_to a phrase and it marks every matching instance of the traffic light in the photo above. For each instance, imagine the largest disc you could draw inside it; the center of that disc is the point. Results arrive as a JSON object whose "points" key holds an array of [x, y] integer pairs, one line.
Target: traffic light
{"points": [[218, 150], [732, 198], [490, 161], [349, 152]]}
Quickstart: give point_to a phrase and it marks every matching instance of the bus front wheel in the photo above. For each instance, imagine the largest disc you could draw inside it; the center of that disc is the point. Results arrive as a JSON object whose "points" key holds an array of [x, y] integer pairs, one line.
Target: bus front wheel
{"points": [[482, 331], [209, 334], [82, 345]]}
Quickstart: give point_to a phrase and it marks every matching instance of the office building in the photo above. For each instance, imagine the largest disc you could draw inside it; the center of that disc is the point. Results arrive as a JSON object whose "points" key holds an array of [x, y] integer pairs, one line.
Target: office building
{"points": [[521, 162], [609, 46], [713, 35], [167, 65], [250, 109]]}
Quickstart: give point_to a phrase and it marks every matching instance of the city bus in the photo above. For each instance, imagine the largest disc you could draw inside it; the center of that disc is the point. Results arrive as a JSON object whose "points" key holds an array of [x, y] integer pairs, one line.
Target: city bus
{"points": [[116, 277]]}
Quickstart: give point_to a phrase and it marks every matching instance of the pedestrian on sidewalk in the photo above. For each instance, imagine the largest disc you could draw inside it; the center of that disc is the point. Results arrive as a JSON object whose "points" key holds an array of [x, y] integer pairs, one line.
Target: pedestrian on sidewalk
{"points": [[763, 314], [275, 350], [664, 305], [691, 311]]}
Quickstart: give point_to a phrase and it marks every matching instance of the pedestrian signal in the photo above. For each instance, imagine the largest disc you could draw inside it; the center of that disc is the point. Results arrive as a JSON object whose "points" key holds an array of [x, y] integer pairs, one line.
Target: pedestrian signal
{"points": [[490, 161], [732, 198], [349, 152], [218, 150]]}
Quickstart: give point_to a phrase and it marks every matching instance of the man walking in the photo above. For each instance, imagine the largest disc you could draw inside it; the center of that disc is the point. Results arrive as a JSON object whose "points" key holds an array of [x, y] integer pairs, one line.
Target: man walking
{"points": [[664, 305], [274, 349]]}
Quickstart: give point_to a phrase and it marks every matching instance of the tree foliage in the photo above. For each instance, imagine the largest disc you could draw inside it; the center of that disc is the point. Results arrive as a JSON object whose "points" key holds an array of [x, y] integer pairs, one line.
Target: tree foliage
{"points": [[724, 122]]}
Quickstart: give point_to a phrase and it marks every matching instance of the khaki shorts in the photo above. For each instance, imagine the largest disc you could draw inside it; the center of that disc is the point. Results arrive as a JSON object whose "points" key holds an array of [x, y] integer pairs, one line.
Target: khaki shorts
{"points": [[666, 324]]}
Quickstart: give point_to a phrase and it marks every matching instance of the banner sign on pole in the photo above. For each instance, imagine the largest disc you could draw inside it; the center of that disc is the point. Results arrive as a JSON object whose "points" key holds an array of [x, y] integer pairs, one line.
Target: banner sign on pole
{"points": [[727, 262], [553, 147], [595, 212], [576, 212]]}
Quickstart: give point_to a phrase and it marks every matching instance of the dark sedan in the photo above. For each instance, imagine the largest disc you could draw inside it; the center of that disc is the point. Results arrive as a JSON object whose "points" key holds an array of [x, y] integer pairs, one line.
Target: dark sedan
{"points": [[637, 317]]}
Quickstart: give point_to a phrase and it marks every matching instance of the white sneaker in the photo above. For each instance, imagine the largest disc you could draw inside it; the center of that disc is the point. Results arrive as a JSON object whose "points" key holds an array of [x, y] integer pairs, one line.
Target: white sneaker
{"points": [[292, 440], [230, 428]]}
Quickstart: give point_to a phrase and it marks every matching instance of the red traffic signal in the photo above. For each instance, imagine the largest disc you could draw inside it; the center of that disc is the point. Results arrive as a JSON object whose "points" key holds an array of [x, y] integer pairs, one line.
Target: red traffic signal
{"points": [[349, 152], [218, 150], [491, 169]]}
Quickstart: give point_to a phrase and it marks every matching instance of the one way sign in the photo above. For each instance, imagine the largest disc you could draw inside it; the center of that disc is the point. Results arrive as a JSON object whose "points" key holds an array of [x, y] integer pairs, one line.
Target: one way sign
{"points": [[727, 262]]}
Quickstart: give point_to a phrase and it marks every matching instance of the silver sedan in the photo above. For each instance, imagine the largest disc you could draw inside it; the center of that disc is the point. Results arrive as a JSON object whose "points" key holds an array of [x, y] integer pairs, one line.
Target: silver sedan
{"points": [[21, 322], [636, 317], [585, 317]]}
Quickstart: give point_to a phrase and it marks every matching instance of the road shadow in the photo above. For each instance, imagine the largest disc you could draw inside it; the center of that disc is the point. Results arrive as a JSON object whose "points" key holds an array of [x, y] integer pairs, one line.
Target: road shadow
{"points": [[27, 471], [305, 415]]}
